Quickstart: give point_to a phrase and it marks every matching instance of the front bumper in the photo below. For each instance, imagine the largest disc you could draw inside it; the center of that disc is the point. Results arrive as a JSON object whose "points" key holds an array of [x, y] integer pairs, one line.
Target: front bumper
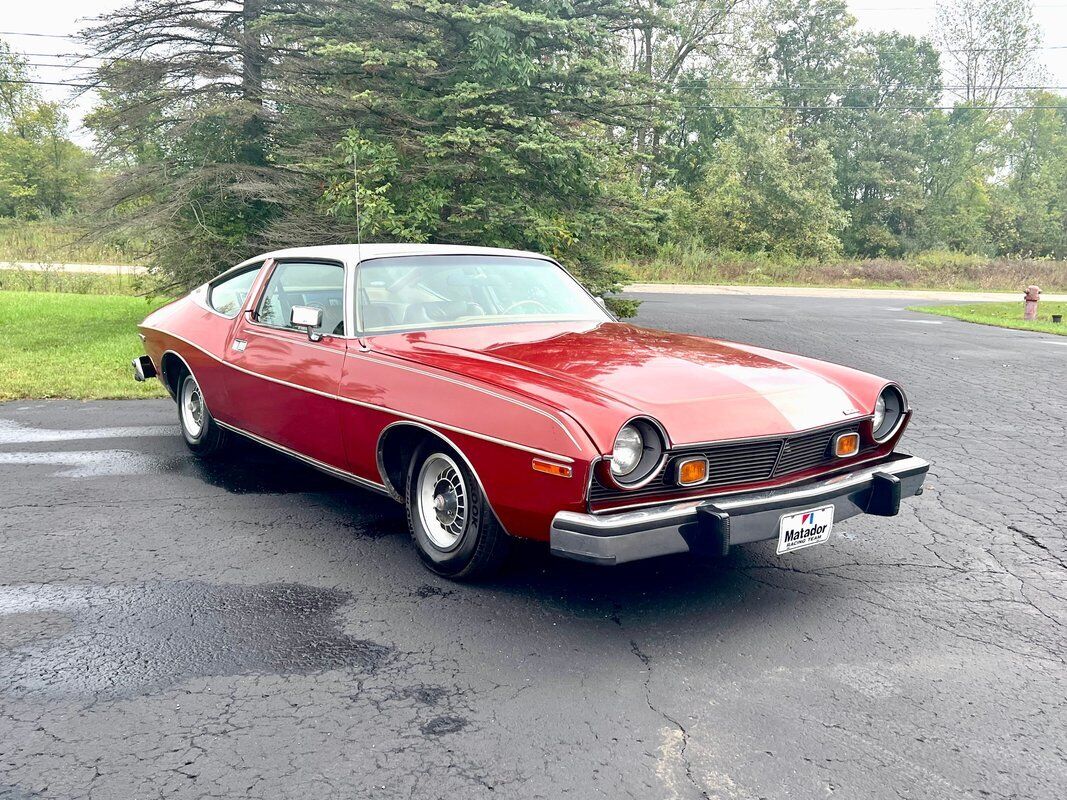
{"points": [[712, 525]]}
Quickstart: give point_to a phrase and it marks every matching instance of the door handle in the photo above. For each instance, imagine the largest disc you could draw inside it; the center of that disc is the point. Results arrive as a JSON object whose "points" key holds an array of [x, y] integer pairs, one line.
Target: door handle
{"points": [[239, 345]]}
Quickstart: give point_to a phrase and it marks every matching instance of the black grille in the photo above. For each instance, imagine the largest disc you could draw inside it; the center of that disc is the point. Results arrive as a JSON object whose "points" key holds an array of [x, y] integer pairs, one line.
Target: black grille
{"points": [[738, 463]]}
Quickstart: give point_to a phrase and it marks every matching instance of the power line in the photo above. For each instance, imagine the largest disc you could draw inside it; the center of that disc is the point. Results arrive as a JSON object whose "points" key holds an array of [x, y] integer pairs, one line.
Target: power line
{"points": [[879, 108], [844, 86], [40, 35], [932, 8], [50, 83]]}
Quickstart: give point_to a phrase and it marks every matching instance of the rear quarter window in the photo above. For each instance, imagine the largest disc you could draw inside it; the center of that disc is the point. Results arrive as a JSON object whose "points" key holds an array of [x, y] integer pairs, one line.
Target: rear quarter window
{"points": [[228, 296]]}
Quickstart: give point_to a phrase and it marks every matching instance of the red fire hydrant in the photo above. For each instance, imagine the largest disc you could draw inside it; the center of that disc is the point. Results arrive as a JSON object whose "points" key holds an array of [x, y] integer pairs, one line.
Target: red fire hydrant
{"points": [[1033, 295]]}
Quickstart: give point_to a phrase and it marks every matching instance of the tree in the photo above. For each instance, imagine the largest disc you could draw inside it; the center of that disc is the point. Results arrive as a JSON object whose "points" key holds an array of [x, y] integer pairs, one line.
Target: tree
{"points": [[889, 79], [805, 56], [987, 46], [485, 123], [1030, 203], [187, 125], [42, 173], [766, 192]]}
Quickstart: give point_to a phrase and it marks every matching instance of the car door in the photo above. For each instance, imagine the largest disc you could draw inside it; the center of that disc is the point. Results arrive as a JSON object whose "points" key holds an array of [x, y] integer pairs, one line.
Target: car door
{"points": [[283, 387]]}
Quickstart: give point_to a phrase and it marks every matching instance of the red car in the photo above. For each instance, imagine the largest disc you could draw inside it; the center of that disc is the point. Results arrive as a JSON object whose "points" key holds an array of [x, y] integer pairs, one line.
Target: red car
{"points": [[492, 395]]}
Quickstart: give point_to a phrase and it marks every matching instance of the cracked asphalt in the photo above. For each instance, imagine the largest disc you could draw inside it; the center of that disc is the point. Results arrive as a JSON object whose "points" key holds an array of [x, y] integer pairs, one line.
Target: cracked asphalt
{"points": [[248, 628]]}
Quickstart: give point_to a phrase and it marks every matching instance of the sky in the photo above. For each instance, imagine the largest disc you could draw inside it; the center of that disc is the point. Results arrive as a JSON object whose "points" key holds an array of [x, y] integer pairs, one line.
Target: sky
{"points": [[63, 17]]}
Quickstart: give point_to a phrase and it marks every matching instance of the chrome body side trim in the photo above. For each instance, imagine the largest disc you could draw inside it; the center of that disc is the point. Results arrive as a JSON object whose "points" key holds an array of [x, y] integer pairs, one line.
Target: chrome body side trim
{"points": [[429, 422], [336, 472], [379, 359], [750, 517]]}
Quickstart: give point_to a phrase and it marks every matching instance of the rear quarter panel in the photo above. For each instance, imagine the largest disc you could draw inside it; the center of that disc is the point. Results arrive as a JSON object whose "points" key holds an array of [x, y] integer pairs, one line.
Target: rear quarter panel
{"points": [[200, 337]]}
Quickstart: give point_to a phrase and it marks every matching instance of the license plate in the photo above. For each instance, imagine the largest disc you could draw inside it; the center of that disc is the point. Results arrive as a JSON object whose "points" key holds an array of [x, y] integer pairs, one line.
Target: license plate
{"points": [[804, 528]]}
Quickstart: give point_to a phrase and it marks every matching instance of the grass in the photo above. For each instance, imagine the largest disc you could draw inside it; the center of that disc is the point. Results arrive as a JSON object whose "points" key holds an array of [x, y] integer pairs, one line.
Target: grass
{"points": [[57, 241], [942, 270], [1004, 315], [55, 280], [71, 345]]}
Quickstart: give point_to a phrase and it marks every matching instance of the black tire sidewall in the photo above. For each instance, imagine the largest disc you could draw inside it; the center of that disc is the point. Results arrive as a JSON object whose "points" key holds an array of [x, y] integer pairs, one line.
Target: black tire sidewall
{"points": [[456, 560]]}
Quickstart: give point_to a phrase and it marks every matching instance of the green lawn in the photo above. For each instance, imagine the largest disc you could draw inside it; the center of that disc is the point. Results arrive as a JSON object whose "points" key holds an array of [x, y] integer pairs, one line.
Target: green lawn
{"points": [[1004, 315], [71, 345], [25, 280]]}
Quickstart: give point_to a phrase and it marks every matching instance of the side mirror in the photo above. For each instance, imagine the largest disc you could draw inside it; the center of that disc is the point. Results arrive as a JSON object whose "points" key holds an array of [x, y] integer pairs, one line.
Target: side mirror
{"points": [[308, 318], [600, 302]]}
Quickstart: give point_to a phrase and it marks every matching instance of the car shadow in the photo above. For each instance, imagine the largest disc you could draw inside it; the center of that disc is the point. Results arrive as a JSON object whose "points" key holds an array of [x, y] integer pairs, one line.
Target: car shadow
{"points": [[676, 588], [681, 586], [246, 467]]}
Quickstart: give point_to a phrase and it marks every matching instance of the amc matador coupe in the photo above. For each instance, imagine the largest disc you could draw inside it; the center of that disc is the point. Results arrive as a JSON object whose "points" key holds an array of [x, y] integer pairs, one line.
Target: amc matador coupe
{"points": [[492, 395]]}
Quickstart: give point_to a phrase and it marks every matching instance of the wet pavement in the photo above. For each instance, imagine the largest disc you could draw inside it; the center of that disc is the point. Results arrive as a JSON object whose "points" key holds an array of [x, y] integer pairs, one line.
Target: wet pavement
{"points": [[250, 628]]}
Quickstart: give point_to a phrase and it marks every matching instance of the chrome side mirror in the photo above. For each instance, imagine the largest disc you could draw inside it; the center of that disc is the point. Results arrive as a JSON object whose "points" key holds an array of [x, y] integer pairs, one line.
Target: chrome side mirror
{"points": [[308, 318], [600, 302]]}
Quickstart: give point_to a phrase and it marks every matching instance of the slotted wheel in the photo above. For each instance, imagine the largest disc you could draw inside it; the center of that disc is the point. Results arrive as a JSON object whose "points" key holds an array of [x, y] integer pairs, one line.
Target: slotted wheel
{"points": [[192, 407], [443, 501]]}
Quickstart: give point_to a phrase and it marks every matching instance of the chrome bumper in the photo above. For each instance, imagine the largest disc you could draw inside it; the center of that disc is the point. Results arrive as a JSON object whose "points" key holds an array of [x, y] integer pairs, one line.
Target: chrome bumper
{"points": [[712, 525], [143, 368]]}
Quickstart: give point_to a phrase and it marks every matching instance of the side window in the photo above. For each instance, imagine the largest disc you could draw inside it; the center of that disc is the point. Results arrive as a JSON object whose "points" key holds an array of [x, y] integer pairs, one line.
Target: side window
{"points": [[305, 284], [228, 296]]}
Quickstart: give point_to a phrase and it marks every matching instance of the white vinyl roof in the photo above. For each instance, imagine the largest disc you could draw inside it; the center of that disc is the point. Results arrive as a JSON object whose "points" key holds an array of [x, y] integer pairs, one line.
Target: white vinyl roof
{"points": [[353, 254]]}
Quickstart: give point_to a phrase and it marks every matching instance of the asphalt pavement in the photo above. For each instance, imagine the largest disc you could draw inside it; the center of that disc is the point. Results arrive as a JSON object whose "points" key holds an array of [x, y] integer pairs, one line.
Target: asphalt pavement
{"points": [[249, 628]]}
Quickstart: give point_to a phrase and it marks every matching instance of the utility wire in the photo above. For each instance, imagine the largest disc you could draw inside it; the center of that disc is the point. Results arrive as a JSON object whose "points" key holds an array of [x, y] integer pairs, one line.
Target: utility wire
{"points": [[40, 35], [881, 108]]}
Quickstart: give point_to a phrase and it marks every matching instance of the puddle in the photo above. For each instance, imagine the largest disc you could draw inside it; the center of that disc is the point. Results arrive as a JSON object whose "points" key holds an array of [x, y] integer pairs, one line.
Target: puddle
{"points": [[247, 468], [129, 640], [87, 463], [12, 432]]}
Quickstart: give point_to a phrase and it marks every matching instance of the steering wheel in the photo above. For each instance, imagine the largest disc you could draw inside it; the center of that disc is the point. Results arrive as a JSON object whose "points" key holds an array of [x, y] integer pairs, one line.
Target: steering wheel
{"points": [[540, 306]]}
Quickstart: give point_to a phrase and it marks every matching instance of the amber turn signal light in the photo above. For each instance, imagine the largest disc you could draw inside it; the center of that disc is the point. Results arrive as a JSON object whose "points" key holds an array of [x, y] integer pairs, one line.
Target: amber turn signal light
{"points": [[547, 467], [846, 444], [692, 471]]}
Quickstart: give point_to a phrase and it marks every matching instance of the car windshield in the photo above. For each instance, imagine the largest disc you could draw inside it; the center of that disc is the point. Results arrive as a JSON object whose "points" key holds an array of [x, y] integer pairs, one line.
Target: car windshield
{"points": [[417, 292]]}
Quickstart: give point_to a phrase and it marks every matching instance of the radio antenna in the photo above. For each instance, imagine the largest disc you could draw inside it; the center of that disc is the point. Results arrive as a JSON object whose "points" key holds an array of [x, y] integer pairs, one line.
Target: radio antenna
{"points": [[359, 224]]}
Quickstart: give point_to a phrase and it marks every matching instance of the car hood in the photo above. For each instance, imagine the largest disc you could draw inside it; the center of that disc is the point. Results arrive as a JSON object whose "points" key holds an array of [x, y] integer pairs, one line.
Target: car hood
{"points": [[602, 374]]}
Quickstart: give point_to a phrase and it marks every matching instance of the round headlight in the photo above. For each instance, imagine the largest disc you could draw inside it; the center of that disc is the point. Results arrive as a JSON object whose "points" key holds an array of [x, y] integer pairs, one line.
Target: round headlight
{"points": [[888, 413], [879, 413], [626, 453], [638, 453]]}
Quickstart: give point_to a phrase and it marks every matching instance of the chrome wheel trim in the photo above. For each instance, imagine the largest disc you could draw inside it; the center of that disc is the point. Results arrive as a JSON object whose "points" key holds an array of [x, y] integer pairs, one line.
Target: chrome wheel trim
{"points": [[192, 407], [443, 500]]}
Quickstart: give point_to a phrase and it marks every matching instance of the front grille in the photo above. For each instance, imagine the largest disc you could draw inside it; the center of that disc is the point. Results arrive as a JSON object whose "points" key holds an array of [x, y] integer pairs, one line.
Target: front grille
{"points": [[738, 463]]}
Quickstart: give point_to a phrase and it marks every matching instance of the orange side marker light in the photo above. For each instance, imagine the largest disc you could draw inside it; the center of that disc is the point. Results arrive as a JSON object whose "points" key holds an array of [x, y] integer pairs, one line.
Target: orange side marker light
{"points": [[551, 468]]}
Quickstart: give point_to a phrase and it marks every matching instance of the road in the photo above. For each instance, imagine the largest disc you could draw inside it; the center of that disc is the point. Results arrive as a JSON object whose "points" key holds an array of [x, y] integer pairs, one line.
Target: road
{"points": [[248, 628]]}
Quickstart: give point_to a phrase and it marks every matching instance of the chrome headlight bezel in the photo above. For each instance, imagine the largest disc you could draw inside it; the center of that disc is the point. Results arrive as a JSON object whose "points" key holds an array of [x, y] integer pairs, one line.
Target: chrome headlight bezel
{"points": [[890, 411], [652, 457]]}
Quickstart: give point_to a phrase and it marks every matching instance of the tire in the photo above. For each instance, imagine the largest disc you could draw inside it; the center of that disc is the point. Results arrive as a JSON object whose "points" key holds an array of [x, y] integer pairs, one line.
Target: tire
{"points": [[199, 429], [455, 532]]}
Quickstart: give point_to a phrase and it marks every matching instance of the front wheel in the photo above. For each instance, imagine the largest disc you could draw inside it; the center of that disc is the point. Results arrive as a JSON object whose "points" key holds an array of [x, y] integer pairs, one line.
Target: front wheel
{"points": [[455, 532], [202, 434]]}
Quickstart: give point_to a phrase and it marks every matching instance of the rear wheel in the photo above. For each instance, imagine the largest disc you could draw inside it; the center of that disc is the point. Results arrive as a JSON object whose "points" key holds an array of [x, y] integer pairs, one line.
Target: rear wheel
{"points": [[202, 434], [455, 531]]}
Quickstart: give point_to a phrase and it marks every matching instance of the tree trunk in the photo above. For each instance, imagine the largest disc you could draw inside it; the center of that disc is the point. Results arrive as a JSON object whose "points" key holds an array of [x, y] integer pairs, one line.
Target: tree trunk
{"points": [[253, 149]]}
